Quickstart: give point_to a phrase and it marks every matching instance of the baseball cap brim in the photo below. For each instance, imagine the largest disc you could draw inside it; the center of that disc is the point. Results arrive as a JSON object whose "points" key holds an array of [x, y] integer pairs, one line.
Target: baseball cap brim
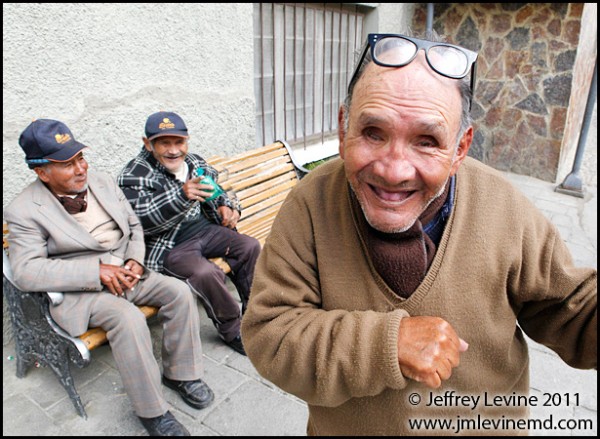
{"points": [[66, 153], [177, 133]]}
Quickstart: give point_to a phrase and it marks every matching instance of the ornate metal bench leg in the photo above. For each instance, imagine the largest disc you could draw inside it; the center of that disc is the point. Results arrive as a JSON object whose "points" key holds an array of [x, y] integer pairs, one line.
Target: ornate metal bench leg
{"points": [[24, 361], [39, 339], [60, 366], [21, 367]]}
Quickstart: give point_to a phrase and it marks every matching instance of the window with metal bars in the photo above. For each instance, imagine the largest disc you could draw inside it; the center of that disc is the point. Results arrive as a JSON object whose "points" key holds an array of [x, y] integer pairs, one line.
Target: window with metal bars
{"points": [[304, 58]]}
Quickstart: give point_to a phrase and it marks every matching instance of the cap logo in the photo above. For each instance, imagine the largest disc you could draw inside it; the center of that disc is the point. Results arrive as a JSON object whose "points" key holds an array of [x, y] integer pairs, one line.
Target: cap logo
{"points": [[62, 138], [166, 124]]}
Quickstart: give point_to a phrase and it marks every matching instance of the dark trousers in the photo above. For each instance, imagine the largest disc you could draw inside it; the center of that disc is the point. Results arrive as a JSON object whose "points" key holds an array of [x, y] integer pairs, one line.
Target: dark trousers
{"points": [[189, 261]]}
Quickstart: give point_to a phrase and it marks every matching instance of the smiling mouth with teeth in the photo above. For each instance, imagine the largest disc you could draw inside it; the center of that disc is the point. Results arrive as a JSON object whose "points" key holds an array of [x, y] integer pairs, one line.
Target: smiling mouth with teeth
{"points": [[391, 197]]}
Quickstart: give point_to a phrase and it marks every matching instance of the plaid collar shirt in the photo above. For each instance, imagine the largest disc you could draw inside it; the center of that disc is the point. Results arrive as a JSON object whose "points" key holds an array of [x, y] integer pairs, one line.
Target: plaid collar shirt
{"points": [[158, 200]]}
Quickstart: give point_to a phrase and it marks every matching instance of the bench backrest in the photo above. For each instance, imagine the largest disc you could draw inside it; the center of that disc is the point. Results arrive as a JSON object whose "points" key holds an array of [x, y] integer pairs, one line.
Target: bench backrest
{"points": [[261, 179]]}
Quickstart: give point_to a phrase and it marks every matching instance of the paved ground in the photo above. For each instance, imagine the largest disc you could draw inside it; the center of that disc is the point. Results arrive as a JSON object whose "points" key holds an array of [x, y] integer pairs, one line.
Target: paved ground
{"points": [[248, 405]]}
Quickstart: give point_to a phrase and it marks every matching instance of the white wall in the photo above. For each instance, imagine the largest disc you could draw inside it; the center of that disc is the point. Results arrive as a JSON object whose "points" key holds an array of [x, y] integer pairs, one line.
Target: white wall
{"points": [[395, 17], [102, 69]]}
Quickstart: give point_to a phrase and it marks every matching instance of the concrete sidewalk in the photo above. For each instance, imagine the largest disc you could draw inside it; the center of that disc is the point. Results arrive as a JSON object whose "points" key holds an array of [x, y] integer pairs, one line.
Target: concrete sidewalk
{"points": [[246, 404]]}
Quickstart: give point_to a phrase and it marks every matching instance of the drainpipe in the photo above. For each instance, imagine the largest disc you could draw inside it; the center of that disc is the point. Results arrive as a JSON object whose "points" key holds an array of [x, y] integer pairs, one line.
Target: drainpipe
{"points": [[429, 18], [572, 184]]}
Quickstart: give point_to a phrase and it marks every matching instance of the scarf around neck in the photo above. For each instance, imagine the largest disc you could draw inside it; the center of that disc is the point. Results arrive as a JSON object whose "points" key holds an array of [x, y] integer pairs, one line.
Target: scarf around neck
{"points": [[73, 205], [401, 259]]}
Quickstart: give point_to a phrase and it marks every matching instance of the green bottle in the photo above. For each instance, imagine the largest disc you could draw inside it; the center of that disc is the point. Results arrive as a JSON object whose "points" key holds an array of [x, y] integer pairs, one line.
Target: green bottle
{"points": [[207, 179]]}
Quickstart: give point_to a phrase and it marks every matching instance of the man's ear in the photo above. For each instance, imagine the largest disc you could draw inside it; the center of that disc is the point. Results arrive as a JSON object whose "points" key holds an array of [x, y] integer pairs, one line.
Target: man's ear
{"points": [[147, 144], [341, 131], [41, 173], [462, 149]]}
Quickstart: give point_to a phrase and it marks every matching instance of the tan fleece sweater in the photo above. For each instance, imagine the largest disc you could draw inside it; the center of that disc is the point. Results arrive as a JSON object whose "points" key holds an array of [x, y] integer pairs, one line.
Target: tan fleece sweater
{"points": [[322, 324]]}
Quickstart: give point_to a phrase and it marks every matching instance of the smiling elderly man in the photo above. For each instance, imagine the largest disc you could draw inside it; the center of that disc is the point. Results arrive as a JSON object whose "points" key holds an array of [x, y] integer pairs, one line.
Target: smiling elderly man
{"points": [[407, 266], [72, 230], [186, 223]]}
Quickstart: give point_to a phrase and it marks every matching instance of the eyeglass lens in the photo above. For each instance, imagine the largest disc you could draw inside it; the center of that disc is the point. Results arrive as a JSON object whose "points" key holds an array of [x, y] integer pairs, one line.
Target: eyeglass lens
{"points": [[398, 52]]}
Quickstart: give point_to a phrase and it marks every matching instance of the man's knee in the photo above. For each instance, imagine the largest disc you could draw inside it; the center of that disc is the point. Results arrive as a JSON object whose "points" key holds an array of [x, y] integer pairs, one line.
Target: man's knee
{"points": [[128, 318], [251, 247], [176, 290], [255, 247], [180, 290], [207, 274]]}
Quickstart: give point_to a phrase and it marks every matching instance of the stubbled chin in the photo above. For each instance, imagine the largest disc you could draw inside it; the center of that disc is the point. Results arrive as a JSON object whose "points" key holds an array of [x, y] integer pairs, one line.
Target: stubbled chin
{"points": [[172, 165], [388, 222], [80, 185]]}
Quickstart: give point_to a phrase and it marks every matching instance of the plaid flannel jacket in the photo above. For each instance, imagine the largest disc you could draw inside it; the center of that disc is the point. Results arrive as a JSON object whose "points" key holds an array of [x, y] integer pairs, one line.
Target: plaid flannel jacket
{"points": [[158, 200]]}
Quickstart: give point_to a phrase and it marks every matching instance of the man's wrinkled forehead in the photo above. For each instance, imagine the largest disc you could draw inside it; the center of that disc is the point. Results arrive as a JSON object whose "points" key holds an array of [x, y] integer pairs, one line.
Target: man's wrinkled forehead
{"points": [[432, 126], [417, 72], [413, 81]]}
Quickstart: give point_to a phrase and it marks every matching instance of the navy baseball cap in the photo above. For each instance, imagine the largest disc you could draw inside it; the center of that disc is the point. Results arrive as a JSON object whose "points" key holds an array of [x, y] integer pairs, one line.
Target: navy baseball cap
{"points": [[47, 140], [165, 123]]}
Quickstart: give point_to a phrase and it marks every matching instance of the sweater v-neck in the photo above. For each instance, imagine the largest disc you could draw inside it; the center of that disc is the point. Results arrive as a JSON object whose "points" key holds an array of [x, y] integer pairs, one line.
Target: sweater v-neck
{"points": [[425, 286]]}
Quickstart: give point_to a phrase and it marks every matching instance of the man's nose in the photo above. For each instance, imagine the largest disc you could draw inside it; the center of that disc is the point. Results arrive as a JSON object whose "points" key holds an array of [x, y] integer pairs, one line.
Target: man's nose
{"points": [[172, 148], [396, 165]]}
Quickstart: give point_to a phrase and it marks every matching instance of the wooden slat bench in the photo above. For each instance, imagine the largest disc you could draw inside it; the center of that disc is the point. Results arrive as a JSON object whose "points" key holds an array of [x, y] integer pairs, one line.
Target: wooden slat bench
{"points": [[261, 179]]}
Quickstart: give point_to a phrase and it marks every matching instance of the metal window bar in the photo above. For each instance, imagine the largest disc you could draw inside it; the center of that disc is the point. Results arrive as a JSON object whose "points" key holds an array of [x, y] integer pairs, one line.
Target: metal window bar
{"points": [[304, 56], [262, 70], [304, 79], [323, 81], [294, 85], [274, 65], [284, 70]]}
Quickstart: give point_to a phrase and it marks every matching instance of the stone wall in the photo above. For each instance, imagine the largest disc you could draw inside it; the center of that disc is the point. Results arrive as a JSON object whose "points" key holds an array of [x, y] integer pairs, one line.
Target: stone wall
{"points": [[524, 78]]}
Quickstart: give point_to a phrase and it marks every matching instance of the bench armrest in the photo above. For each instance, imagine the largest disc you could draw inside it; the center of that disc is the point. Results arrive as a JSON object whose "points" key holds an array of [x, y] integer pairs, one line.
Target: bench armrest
{"points": [[55, 298], [301, 171], [84, 356]]}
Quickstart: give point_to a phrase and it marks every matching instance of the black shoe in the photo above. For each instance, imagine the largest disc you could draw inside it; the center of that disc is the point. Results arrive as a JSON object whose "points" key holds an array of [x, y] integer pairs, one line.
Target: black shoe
{"points": [[195, 393], [237, 345], [165, 425]]}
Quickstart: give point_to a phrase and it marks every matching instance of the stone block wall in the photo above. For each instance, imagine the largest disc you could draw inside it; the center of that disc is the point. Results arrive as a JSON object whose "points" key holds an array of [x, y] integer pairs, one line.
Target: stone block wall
{"points": [[525, 68]]}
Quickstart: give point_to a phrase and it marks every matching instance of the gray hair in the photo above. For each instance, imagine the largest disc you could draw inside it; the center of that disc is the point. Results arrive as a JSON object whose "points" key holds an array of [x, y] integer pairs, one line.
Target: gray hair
{"points": [[464, 87]]}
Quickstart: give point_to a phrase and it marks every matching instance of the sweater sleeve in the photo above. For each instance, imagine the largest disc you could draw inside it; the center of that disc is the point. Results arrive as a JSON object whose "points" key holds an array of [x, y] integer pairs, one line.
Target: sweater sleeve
{"points": [[558, 301], [323, 356]]}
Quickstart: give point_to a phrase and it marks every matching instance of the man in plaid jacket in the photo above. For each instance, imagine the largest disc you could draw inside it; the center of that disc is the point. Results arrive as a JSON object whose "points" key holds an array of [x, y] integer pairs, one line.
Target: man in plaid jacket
{"points": [[183, 227]]}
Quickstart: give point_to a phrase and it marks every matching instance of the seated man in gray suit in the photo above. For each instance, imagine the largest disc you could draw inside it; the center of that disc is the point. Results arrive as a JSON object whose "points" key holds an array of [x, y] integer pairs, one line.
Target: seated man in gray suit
{"points": [[74, 231]]}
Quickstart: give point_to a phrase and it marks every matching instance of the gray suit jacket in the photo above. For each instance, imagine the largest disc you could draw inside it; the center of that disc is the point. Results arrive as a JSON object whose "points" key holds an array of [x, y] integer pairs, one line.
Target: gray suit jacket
{"points": [[51, 251]]}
